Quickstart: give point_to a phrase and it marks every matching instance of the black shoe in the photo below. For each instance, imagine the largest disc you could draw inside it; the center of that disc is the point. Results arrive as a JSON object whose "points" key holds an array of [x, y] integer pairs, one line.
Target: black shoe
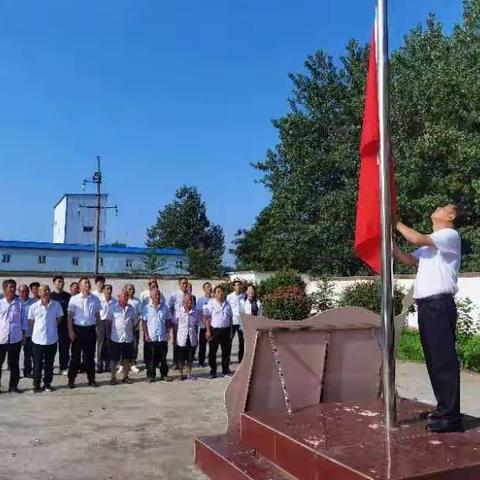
{"points": [[228, 373], [15, 390], [213, 374], [71, 384], [445, 425], [201, 365], [38, 389], [430, 415], [99, 370], [49, 388], [152, 379], [27, 375], [93, 383]]}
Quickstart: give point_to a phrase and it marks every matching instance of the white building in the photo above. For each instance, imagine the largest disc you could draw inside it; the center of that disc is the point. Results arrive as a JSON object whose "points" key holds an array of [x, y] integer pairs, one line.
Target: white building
{"points": [[46, 257], [74, 219]]}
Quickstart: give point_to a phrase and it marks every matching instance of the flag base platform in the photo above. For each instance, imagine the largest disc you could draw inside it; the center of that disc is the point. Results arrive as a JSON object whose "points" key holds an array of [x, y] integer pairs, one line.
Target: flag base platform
{"points": [[341, 441]]}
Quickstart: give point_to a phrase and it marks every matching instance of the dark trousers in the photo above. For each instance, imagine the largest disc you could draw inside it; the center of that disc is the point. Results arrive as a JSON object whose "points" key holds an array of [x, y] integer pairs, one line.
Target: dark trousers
{"points": [[136, 341], [27, 357], [43, 358], [12, 352], [157, 357], [85, 342], [437, 322], [176, 350], [241, 341], [187, 353], [220, 337], [63, 346], [103, 343], [202, 346]]}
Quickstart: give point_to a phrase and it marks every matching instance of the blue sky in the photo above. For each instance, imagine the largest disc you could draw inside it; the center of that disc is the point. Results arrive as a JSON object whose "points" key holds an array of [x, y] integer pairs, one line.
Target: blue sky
{"points": [[168, 93]]}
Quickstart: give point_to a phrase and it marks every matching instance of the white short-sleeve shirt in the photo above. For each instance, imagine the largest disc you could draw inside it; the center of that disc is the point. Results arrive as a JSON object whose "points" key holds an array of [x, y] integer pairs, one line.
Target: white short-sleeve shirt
{"points": [[107, 308], [438, 265], [176, 303], [220, 314], [201, 305], [123, 320], [187, 327], [84, 309], [156, 319], [11, 321], [27, 328], [45, 322], [235, 302]]}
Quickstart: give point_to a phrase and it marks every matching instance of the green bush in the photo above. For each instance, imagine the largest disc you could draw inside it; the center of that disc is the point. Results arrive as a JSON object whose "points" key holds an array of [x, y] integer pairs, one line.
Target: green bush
{"points": [[471, 353], [409, 346], [284, 278], [368, 295], [287, 303], [324, 298]]}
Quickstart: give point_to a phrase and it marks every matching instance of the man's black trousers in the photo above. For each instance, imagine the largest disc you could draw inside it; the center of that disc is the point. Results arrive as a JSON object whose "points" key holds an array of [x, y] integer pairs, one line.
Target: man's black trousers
{"points": [[13, 352], [43, 357], [437, 322], [85, 342], [220, 337]]}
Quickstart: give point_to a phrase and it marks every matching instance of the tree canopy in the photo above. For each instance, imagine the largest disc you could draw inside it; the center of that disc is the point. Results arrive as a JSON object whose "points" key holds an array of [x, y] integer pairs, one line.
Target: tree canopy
{"points": [[183, 223], [312, 172]]}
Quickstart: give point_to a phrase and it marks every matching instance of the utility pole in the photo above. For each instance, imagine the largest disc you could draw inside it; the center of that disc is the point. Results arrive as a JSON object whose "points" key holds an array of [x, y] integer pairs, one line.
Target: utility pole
{"points": [[97, 180]]}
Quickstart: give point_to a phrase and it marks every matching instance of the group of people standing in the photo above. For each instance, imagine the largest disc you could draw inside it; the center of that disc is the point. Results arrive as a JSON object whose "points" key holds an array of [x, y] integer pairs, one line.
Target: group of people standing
{"points": [[95, 332]]}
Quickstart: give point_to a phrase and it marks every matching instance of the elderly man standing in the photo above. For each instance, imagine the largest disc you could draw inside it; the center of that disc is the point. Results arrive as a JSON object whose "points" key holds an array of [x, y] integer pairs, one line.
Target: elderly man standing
{"points": [[187, 335], [136, 303], [218, 315], [156, 324], [27, 302], [104, 328], [11, 332], [235, 300], [202, 302], [175, 304], [83, 315], [44, 317]]}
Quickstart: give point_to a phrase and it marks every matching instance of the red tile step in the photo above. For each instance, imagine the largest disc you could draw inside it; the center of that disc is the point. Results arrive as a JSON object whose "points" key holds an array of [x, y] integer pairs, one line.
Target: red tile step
{"points": [[349, 442], [225, 457]]}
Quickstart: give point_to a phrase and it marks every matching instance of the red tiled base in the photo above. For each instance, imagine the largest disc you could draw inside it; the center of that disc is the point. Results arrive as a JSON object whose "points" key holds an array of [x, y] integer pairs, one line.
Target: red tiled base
{"points": [[224, 457], [349, 442]]}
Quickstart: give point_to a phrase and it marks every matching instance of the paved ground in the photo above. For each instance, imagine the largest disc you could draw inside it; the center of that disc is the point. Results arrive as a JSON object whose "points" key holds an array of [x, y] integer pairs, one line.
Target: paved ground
{"points": [[140, 431]]}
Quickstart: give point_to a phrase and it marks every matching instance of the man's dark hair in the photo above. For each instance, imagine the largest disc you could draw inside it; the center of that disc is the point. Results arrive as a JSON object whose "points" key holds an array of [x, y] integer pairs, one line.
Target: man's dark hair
{"points": [[236, 281], [182, 279], [205, 284], [57, 277], [34, 284], [8, 282], [108, 285], [99, 278], [460, 215], [83, 278], [73, 283], [218, 287]]}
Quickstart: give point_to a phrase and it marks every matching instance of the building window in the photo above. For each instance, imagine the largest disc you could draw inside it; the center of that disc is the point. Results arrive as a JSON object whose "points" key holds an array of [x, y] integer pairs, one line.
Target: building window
{"points": [[75, 260], [179, 264], [6, 258], [129, 263], [42, 259], [87, 229]]}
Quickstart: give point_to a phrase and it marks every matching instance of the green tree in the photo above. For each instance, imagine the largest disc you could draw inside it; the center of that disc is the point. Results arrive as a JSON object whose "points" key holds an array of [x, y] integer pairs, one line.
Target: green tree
{"points": [[183, 223], [313, 171]]}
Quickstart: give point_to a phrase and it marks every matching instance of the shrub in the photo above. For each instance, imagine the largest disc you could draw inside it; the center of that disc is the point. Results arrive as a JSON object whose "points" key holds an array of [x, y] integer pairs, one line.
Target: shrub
{"points": [[324, 298], [409, 346], [287, 303], [368, 295], [471, 353], [284, 278]]}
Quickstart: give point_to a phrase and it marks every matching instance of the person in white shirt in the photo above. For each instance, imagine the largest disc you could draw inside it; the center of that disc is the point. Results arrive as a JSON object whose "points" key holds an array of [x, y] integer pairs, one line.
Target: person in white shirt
{"points": [[24, 295], [156, 325], [175, 303], [11, 332], [44, 317], [187, 335], [99, 286], [104, 329], [438, 262], [83, 314], [218, 320], [124, 318], [202, 329], [146, 298], [235, 299], [251, 304], [137, 305]]}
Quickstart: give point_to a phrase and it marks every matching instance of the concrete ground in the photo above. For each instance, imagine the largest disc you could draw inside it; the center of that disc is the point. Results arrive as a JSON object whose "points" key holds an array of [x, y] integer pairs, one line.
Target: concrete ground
{"points": [[139, 431]]}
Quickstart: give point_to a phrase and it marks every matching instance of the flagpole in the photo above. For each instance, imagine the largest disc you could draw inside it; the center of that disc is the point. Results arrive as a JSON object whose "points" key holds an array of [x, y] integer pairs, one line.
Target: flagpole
{"points": [[388, 353]]}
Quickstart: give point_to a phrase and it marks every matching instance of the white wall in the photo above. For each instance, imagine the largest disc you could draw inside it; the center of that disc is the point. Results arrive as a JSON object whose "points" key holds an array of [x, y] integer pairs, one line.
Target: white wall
{"points": [[59, 216]]}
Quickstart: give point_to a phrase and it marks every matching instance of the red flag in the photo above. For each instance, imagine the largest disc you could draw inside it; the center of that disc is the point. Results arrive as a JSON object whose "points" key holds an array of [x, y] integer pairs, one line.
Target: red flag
{"points": [[368, 228]]}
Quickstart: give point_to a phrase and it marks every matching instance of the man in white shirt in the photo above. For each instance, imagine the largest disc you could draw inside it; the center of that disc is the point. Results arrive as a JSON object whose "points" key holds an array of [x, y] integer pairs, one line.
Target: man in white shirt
{"points": [[438, 262], [187, 335], [235, 300], [11, 332], [218, 320], [156, 325], [104, 329], [137, 305], [63, 298], [99, 286], [175, 303], [83, 316], [124, 317], [27, 302], [202, 302], [44, 317]]}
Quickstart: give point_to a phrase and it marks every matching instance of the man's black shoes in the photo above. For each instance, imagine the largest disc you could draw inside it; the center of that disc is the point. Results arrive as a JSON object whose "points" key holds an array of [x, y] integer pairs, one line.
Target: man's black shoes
{"points": [[445, 425]]}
